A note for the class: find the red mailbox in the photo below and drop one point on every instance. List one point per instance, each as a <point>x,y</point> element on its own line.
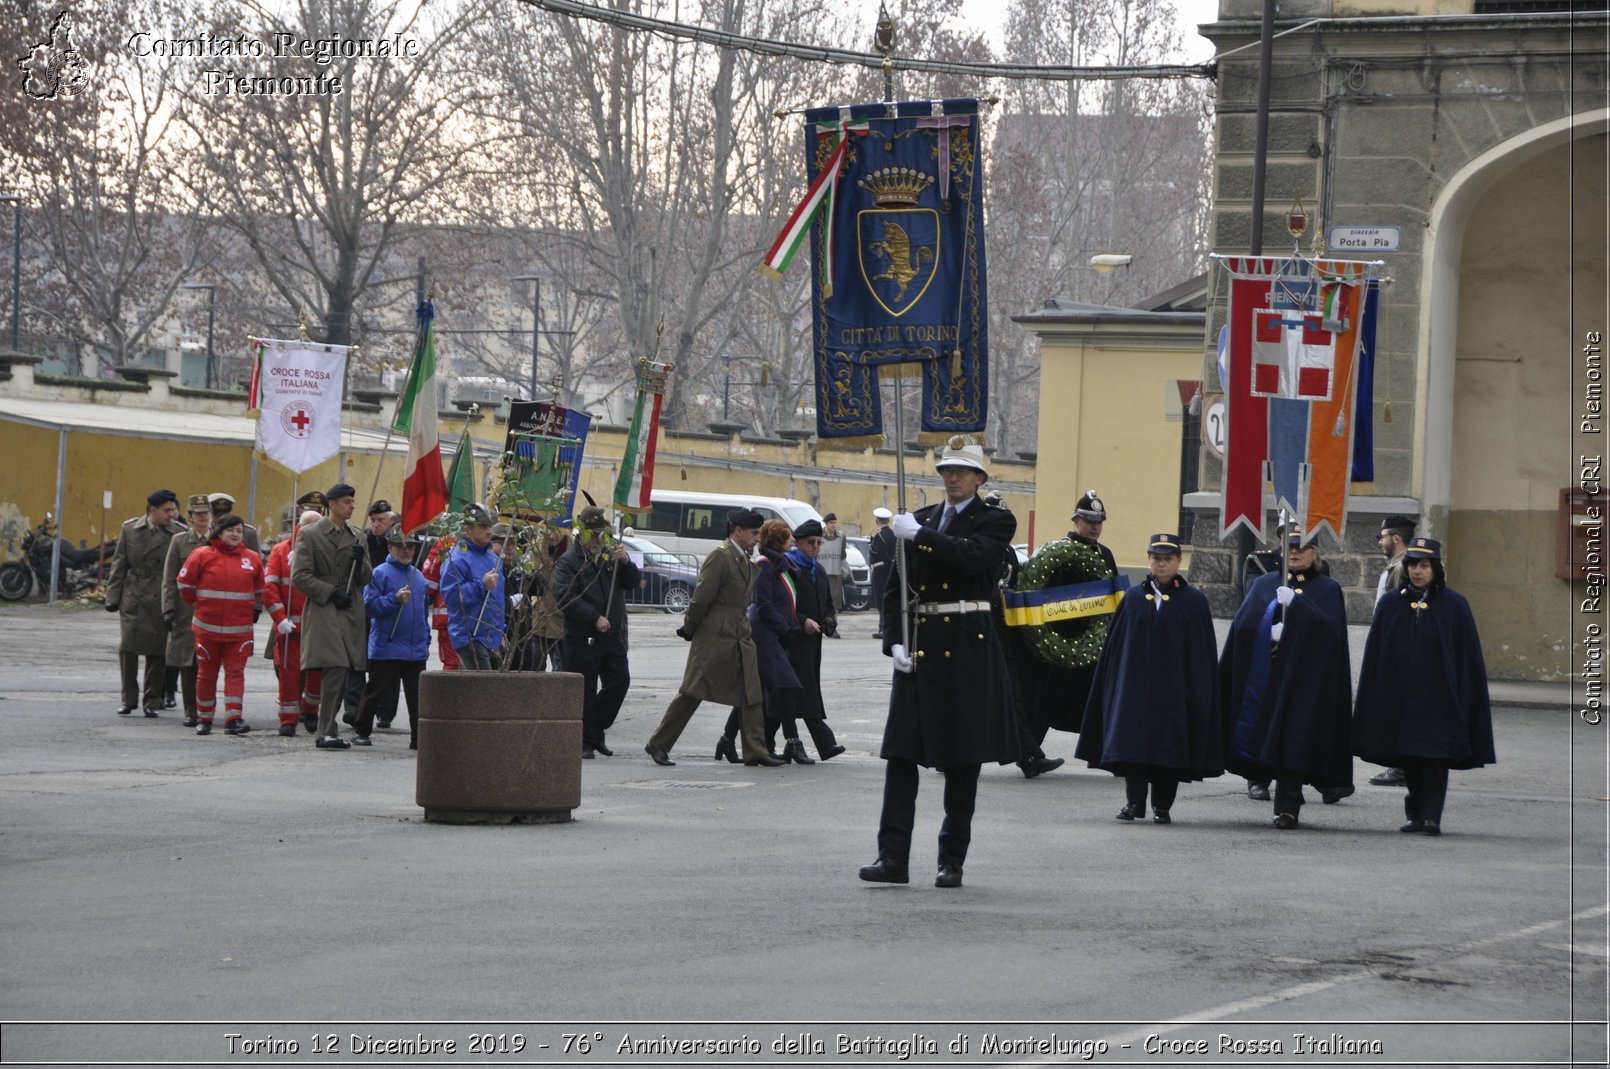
<point>1579,539</point>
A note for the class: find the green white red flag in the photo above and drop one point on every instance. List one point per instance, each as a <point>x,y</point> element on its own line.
<point>424,486</point>
<point>818,202</point>
<point>636,481</point>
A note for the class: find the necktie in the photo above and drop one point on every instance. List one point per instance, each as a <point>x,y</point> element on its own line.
<point>944,521</point>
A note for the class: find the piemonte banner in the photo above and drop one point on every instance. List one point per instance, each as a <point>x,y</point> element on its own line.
<point>898,248</point>
<point>1296,328</point>
<point>296,389</point>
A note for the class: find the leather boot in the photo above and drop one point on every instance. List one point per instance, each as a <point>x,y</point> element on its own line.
<point>794,750</point>
<point>726,748</point>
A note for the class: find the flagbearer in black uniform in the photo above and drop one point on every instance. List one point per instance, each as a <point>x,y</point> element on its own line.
<point>1153,716</point>
<point>1287,685</point>
<point>950,707</point>
<point>1422,695</point>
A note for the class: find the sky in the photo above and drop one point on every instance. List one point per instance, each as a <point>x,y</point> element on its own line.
<point>990,16</point>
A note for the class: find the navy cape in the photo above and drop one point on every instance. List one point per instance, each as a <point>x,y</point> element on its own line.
<point>1300,727</point>
<point>1154,701</point>
<point>1422,694</point>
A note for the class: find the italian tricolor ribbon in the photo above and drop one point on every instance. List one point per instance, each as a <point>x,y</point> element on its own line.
<point>818,200</point>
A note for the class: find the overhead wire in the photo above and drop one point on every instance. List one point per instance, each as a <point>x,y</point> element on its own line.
<point>768,47</point>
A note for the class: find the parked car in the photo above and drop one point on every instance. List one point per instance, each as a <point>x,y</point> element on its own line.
<point>857,574</point>
<point>668,579</point>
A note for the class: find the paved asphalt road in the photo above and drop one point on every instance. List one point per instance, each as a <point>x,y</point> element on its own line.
<point>258,886</point>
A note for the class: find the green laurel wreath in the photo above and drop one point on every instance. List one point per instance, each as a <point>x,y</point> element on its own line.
<point>1069,643</point>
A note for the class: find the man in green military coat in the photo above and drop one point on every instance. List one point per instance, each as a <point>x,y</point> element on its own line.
<point>134,592</point>
<point>177,612</point>
<point>332,568</point>
<point>721,665</point>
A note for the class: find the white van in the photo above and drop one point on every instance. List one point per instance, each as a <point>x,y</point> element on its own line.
<point>692,523</point>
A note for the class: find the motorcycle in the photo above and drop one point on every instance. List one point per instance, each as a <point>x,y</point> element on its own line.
<point>80,567</point>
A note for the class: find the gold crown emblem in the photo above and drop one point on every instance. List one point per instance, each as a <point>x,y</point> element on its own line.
<point>896,187</point>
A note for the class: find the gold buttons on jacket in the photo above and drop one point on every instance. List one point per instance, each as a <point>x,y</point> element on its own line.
<point>946,619</point>
<point>947,653</point>
<point>944,586</point>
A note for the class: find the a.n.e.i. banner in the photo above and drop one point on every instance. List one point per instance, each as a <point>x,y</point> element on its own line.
<point>897,193</point>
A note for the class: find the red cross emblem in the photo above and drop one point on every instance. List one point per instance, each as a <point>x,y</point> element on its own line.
<point>296,419</point>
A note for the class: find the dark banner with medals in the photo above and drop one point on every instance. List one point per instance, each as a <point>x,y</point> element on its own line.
<point>899,279</point>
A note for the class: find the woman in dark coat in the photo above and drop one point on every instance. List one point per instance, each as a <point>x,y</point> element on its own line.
<point>1422,695</point>
<point>774,620</point>
<point>1287,685</point>
<point>817,618</point>
<point>1153,716</point>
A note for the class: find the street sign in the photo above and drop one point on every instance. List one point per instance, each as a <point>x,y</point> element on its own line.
<point>1365,238</point>
<point>1215,423</point>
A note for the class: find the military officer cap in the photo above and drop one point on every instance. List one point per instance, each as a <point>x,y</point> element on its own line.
<point>476,515</point>
<point>338,491</point>
<point>962,452</point>
<point>592,518</point>
<point>379,507</point>
<point>745,517</point>
<point>199,503</point>
<point>1424,549</point>
<point>1164,544</point>
<point>158,498</point>
<point>831,517</point>
<point>1090,508</point>
<point>1295,539</point>
<point>220,503</point>
<point>313,499</point>
<point>881,513</point>
<point>808,529</point>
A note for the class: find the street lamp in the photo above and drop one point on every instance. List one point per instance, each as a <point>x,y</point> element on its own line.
<point>212,292</point>
<point>1105,263</point>
<point>16,268</point>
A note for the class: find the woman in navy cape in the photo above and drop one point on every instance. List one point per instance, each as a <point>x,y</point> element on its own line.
<point>1286,681</point>
<point>1153,714</point>
<point>1422,694</point>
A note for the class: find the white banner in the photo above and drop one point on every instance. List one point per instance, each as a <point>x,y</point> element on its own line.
<point>299,402</point>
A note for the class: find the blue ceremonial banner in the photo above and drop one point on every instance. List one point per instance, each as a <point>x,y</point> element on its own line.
<point>530,422</point>
<point>898,258</point>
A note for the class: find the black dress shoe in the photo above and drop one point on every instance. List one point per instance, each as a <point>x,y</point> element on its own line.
<point>287,730</point>
<point>1131,811</point>
<point>587,753</point>
<point>604,751</point>
<point>151,712</point>
<point>725,748</point>
<point>170,700</point>
<point>885,871</point>
<point>124,710</point>
<point>832,752</point>
<point>794,750</point>
<point>310,724</point>
<point>949,876</point>
<point>1258,792</point>
<point>1433,827</point>
<point>1050,764</point>
<point>660,756</point>
<point>1286,821</point>
<point>1412,826</point>
<point>769,760</point>
<point>332,742</point>
<point>877,634</point>
<point>1030,768</point>
<point>204,728</point>
<point>1391,777</point>
<point>1160,816</point>
<point>190,721</point>
<point>237,727</point>
<point>361,740</point>
<point>1332,795</point>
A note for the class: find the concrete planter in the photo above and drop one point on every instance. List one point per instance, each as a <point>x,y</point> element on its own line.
<point>499,747</point>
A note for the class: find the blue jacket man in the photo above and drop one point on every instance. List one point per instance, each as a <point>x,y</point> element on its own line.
<point>472,588</point>
<point>397,602</point>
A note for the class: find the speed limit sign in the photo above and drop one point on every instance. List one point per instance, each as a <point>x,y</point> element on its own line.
<point>1215,423</point>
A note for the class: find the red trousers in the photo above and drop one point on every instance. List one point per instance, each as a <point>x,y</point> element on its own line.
<point>230,655</point>
<point>298,690</point>
<point>444,647</point>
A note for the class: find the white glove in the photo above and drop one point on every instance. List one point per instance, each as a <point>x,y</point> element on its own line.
<point>902,662</point>
<point>516,599</point>
<point>1284,594</point>
<point>285,626</point>
<point>1276,631</point>
<point>905,526</point>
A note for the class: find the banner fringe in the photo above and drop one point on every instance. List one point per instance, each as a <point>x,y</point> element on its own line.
<point>849,445</point>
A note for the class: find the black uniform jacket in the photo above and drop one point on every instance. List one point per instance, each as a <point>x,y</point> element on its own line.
<point>1155,699</point>
<point>1056,693</point>
<point>1301,725</point>
<point>1422,694</point>
<point>955,708</point>
<point>588,583</point>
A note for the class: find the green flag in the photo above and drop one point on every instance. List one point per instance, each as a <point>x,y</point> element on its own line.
<point>461,475</point>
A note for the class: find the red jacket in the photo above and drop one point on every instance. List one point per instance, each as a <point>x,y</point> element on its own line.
<point>279,596</point>
<point>432,571</point>
<point>224,583</point>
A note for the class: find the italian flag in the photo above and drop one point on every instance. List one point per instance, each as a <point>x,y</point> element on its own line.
<point>818,201</point>
<point>424,493</point>
<point>636,480</point>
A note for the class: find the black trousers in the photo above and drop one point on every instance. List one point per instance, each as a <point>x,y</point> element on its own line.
<point>900,812</point>
<point>1288,794</point>
<point>380,690</point>
<point>1163,783</point>
<point>1428,790</point>
<point>143,692</point>
<point>605,679</point>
